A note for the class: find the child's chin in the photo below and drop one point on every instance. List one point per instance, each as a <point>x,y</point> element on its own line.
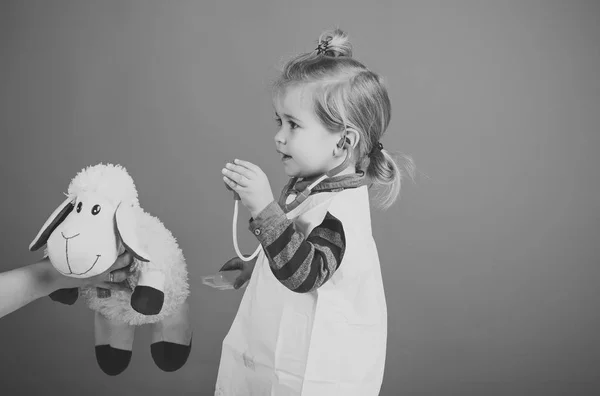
<point>290,172</point>
<point>299,175</point>
<point>295,172</point>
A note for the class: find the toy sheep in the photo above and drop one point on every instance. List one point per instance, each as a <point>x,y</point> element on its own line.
<point>100,218</point>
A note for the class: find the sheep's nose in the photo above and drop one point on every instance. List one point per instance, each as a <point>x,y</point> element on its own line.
<point>66,237</point>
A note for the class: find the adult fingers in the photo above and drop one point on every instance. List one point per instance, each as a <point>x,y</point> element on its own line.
<point>119,275</point>
<point>121,286</point>
<point>122,261</point>
<point>234,264</point>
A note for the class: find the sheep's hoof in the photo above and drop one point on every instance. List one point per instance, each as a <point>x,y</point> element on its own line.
<point>111,360</point>
<point>65,296</point>
<point>169,356</point>
<point>147,300</point>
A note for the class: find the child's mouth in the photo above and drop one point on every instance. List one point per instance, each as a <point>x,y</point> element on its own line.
<point>285,157</point>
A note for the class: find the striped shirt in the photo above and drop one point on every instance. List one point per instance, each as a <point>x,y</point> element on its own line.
<point>303,264</point>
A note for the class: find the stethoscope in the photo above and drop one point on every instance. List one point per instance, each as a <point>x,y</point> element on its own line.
<point>298,200</point>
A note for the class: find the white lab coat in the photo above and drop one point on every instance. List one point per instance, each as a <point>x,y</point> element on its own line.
<point>328,342</point>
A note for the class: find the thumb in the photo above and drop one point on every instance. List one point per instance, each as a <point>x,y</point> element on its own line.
<point>241,279</point>
<point>232,265</point>
<point>122,261</point>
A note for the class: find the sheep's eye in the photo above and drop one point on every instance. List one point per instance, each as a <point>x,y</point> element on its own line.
<point>79,205</point>
<point>96,210</point>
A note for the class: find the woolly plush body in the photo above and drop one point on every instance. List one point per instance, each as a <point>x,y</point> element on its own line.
<point>161,245</point>
<point>99,220</point>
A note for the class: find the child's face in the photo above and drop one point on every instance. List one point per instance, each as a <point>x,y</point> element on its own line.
<point>305,145</point>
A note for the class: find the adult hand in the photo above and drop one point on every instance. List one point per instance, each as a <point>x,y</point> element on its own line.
<point>20,286</point>
<point>113,278</point>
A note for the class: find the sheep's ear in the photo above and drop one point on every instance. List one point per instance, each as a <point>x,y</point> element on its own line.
<point>53,221</point>
<point>126,228</point>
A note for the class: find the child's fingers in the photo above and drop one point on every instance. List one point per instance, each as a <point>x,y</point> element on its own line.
<point>247,173</point>
<point>232,265</point>
<point>231,184</point>
<point>235,177</point>
<point>240,280</point>
<point>247,165</point>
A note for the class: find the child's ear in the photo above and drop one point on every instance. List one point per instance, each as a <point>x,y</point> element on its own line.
<point>353,137</point>
<point>349,139</point>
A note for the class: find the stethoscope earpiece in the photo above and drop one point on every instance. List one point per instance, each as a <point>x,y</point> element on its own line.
<point>343,141</point>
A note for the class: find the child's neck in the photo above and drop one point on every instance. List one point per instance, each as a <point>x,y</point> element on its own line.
<point>350,170</point>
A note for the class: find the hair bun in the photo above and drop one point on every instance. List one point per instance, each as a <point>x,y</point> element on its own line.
<point>334,43</point>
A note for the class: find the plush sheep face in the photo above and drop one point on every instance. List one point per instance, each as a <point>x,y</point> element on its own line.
<point>86,242</point>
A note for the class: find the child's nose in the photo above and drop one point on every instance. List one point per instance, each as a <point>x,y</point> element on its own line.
<point>280,137</point>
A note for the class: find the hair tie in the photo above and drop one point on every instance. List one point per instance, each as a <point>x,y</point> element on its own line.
<point>323,46</point>
<point>376,148</point>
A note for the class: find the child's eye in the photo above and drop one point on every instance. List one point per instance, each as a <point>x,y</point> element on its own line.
<point>293,125</point>
<point>278,121</point>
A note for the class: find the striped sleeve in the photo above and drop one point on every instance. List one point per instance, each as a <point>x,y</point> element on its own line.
<point>300,264</point>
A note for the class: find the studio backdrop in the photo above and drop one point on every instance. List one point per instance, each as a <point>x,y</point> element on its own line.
<point>490,260</point>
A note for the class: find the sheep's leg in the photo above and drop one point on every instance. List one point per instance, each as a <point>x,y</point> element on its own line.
<point>172,340</point>
<point>114,342</point>
<point>65,296</point>
<point>148,296</point>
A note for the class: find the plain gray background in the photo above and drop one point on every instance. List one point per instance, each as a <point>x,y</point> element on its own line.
<point>490,261</point>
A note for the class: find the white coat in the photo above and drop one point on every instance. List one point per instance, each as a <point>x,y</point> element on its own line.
<point>331,341</point>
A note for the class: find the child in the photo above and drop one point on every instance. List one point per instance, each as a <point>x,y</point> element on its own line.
<point>313,320</point>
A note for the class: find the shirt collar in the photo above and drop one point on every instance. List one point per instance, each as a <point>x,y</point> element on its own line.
<point>336,183</point>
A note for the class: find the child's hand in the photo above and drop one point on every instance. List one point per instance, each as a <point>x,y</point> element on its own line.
<point>251,184</point>
<point>246,267</point>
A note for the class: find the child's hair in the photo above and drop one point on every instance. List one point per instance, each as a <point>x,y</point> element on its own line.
<point>347,95</point>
